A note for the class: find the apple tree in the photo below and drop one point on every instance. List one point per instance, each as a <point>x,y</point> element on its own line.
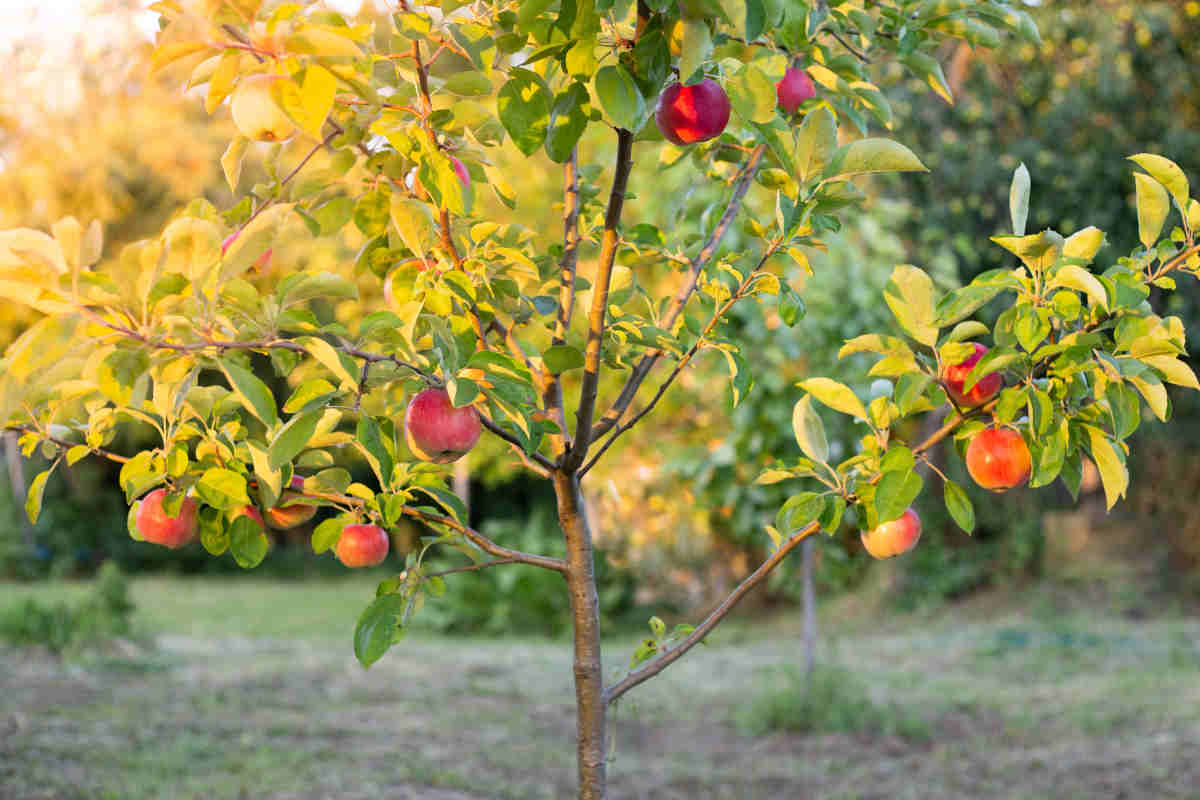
<point>403,137</point>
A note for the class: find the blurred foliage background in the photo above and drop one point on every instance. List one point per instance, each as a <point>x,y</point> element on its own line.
<point>683,519</point>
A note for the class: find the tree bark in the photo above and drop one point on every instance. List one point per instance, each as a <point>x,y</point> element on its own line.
<point>591,748</point>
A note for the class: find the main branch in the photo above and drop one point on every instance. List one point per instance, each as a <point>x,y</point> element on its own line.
<point>679,301</point>
<point>599,312</point>
<point>614,692</point>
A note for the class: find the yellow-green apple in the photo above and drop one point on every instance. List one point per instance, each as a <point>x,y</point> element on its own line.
<point>362,545</point>
<point>437,431</point>
<point>155,525</point>
<point>261,262</point>
<point>689,114</point>
<point>998,459</point>
<point>292,509</point>
<point>793,89</point>
<point>893,537</point>
<point>954,377</point>
<point>256,114</point>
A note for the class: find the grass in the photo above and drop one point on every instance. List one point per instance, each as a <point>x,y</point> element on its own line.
<point>250,690</point>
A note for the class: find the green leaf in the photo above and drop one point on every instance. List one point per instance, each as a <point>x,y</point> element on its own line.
<point>247,542</point>
<point>1173,370</point>
<point>620,98</point>
<point>341,366</point>
<point>1038,251</point>
<point>994,360</point>
<point>751,94</point>
<point>377,627</point>
<point>560,358</point>
<point>895,492</point>
<point>1084,244</point>
<point>524,106</point>
<point>791,305</point>
<point>927,68</point>
<point>909,294</point>
<point>292,438</point>
<point>831,517</point>
<point>809,430</point>
<point>369,440</point>
<point>33,498</point>
<point>251,392</point>
<point>1153,204</point>
<point>1018,200</point>
<point>959,505</point>
<point>326,534</point>
<point>1111,464</point>
<point>695,49</point>
<point>468,83</point>
<point>448,500</point>
<point>223,489</point>
<point>964,302</point>
<point>1050,455</point>
<point>316,99</point>
<point>311,394</point>
<point>741,378</point>
<point>865,156</point>
<point>835,395</point>
<point>231,160</point>
<point>1074,277</point>
<point>799,510</point>
<point>1166,172</point>
<point>568,120</point>
<point>414,222</point>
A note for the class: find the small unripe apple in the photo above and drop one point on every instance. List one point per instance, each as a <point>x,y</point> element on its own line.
<point>894,537</point>
<point>954,377</point>
<point>156,526</point>
<point>362,545</point>
<point>292,509</point>
<point>998,459</point>
<point>261,262</point>
<point>793,89</point>
<point>256,114</point>
<point>437,431</point>
<point>419,264</point>
<point>689,114</point>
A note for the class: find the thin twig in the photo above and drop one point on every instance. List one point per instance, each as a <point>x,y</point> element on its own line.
<point>552,399</point>
<point>485,544</point>
<point>614,692</point>
<point>471,567</point>
<point>63,443</point>
<point>853,50</point>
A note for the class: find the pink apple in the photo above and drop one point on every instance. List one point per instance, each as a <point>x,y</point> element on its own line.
<point>437,431</point>
<point>893,537</point>
<point>954,377</point>
<point>292,509</point>
<point>362,545</point>
<point>793,89</point>
<point>155,525</point>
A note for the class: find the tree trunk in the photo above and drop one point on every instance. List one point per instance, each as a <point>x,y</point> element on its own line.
<point>810,610</point>
<point>590,705</point>
<point>16,477</point>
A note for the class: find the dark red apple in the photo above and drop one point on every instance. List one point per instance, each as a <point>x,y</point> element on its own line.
<point>690,114</point>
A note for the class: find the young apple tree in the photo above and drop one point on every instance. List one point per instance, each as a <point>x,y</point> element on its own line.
<point>387,134</point>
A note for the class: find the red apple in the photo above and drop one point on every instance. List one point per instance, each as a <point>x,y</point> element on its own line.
<point>291,510</point>
<point>437,431</point>
<point>155,525</point>
<point>895,537</point>
<point>362,545</point>
<point>689,114</point>
<point>955,375</point>
<point>998,459</point>
<point>793,89</point>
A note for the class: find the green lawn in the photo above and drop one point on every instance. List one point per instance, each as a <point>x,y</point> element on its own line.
<point>248,689</point>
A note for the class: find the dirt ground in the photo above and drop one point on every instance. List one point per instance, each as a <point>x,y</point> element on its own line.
<point>1022,706</point>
